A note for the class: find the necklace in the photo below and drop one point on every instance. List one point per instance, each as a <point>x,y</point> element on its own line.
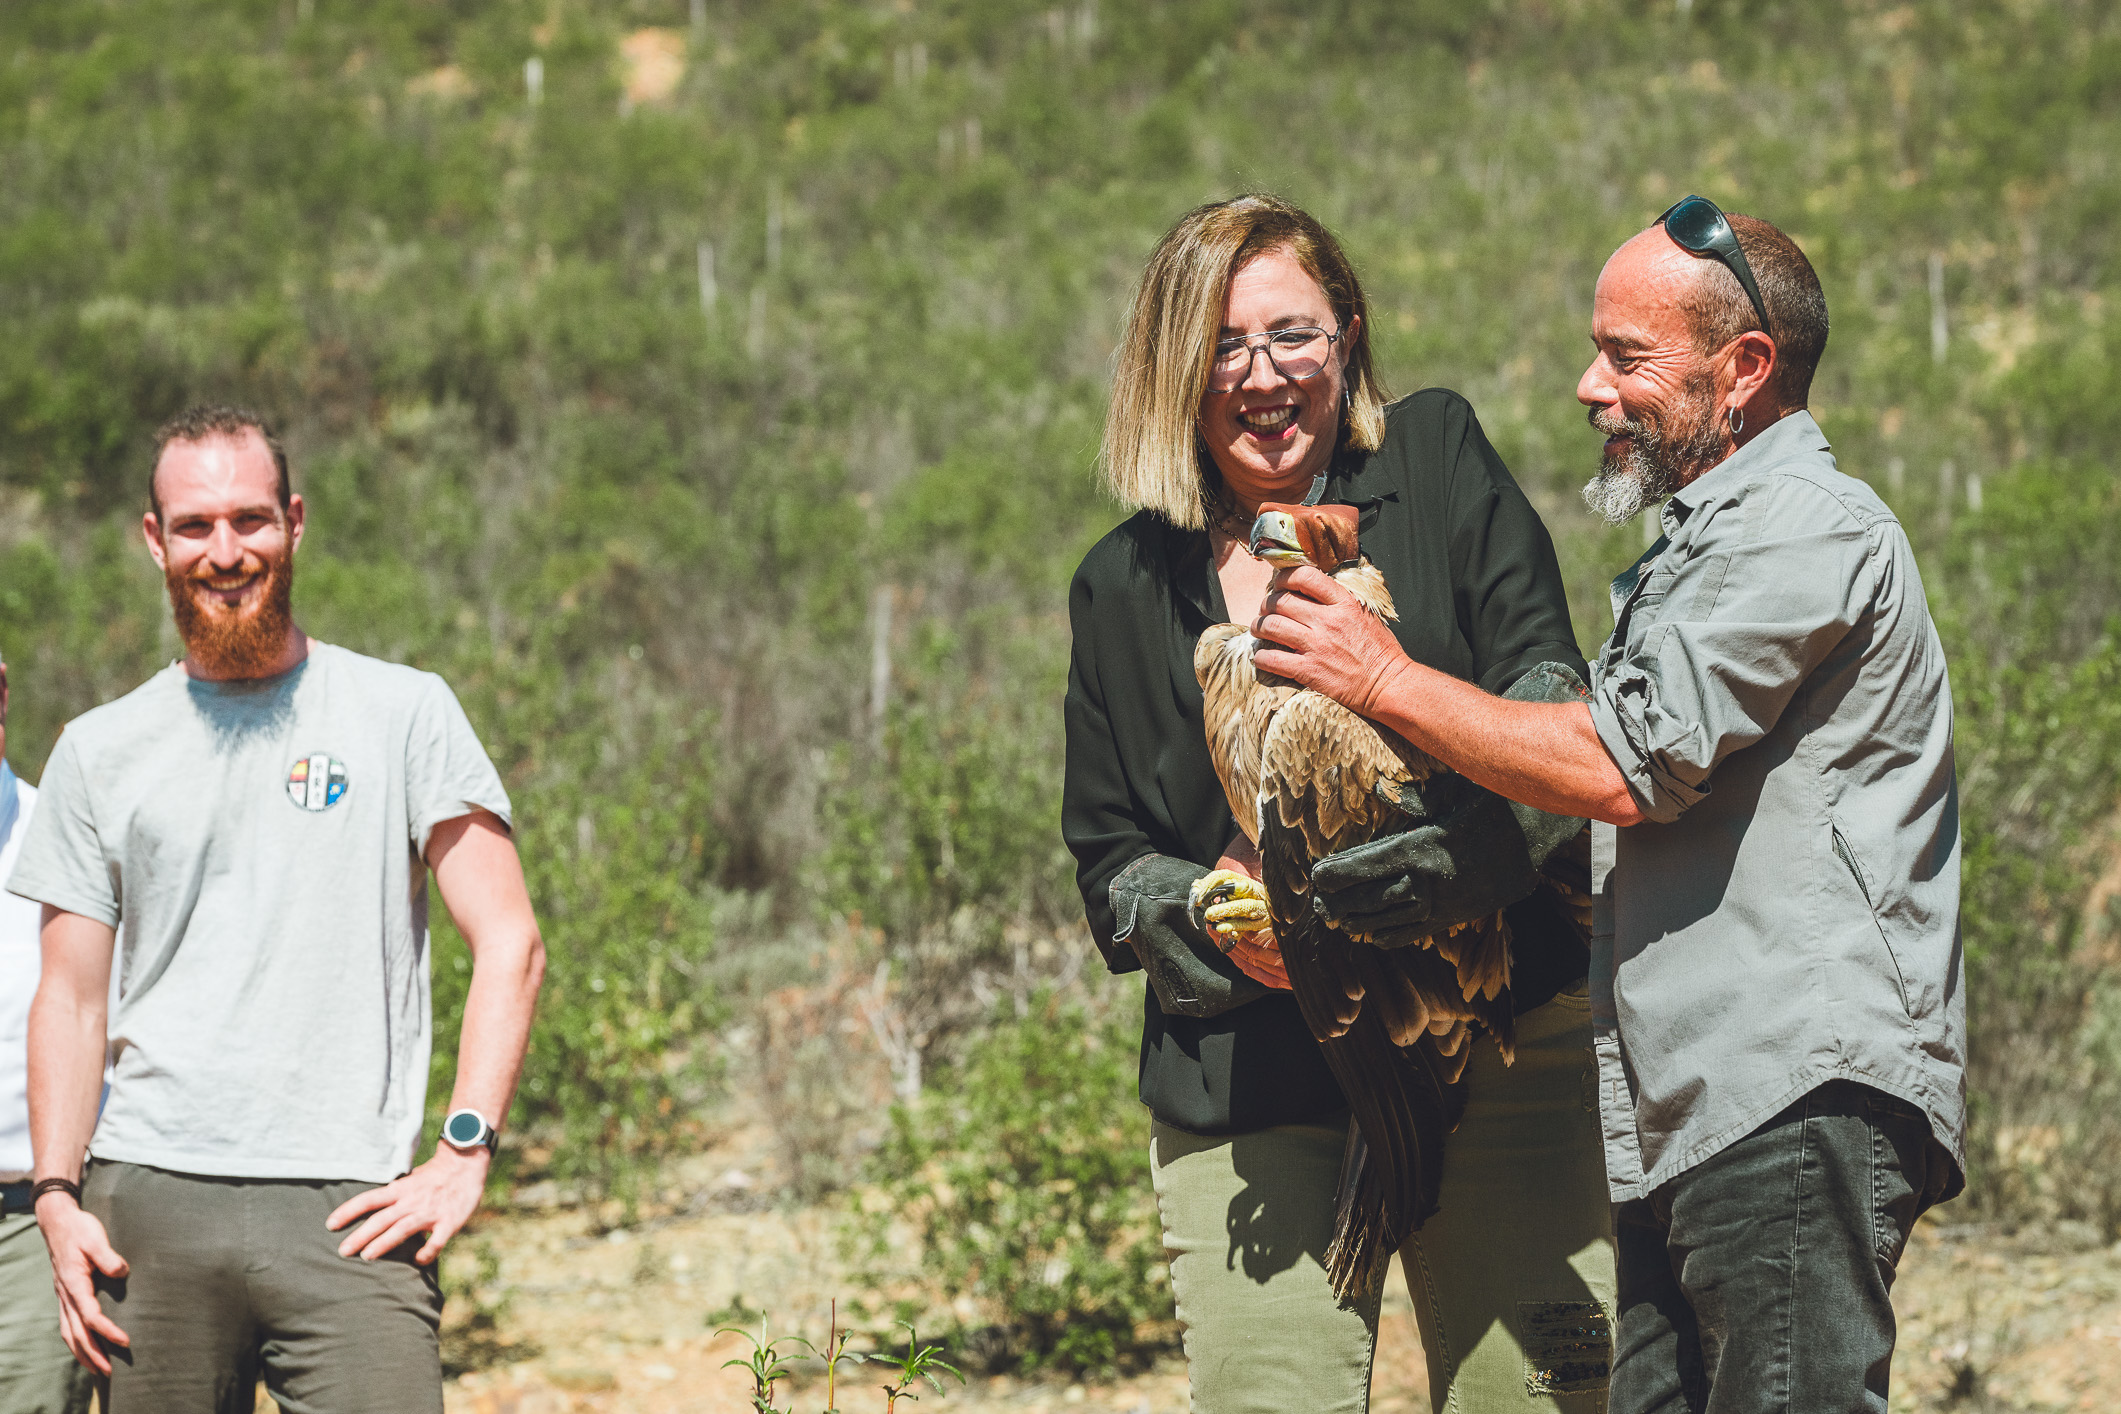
<point>1229,520</point>
<point>1225,515</point>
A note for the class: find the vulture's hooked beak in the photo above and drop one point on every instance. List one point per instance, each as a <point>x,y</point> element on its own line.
<point>1274,539</point>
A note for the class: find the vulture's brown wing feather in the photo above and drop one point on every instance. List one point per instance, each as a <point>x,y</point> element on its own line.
<point>1403,1096</point>
<point>1321,769</point>
<point>1369,1009</point>
<point>1321,764</point>
<point>1237,707</point>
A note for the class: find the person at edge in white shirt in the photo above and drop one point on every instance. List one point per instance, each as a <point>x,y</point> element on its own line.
<point>37,1372</point>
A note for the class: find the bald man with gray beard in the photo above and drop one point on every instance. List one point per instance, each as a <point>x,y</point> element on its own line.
<point>1777,984</point>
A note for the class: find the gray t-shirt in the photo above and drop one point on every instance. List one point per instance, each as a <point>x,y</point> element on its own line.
<point>261,843</point>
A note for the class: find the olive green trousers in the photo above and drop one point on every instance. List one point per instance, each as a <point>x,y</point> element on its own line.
<point>37,1372</point>
<point>1512,1280</point>
<point>232,1278</point>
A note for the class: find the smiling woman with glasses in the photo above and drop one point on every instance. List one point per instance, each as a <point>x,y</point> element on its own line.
<point>1244,376</point>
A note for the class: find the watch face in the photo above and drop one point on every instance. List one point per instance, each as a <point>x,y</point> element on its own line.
<point>463,1128</point>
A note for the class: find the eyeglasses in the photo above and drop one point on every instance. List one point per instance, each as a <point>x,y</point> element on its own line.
<point>1296,354</point>
<point>1699,227</point>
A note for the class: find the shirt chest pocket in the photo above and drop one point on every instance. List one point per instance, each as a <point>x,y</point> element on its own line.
<point>1643,608</point>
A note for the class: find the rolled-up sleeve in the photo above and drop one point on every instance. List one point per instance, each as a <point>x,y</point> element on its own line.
<point>1728,625</point>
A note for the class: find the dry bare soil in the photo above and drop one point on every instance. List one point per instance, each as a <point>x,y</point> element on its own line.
<point>599,1319</point>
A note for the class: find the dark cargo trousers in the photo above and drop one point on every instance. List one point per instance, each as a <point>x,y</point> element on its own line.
<point>232,1277</point>
<point>1761,1281</point>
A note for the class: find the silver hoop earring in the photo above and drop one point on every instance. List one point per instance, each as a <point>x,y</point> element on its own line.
<point>1735,417</point>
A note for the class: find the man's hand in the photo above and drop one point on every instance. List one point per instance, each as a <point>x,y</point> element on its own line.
<point>67,1038</point>
<point>80,1251</point>
<point>436,1198</point>
<point>1544,754</point>
<point>1319,636</point>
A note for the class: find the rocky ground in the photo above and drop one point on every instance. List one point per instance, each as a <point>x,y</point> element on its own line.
<point>594,1320</point>
<point>1994,1320</point>
<point>622,1325</point>
<point>621,1320</point>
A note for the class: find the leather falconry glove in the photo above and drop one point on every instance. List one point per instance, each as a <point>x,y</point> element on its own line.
<point>1153,904</point>
<point>1470,853</point>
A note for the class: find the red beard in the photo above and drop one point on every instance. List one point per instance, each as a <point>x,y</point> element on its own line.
<point>241,642</point>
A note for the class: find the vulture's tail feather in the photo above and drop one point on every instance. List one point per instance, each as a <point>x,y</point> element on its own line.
<point>1404,1099</point>
<point>1362,1240</point>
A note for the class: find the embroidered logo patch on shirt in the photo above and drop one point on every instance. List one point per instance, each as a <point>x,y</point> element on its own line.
<point>316,782</point>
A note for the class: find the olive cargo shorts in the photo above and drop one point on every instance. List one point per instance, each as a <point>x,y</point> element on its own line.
<point>231,1277</point>
<point>1512,1280</point>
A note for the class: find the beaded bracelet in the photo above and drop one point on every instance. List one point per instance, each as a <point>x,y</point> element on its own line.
<point>54,1185</point>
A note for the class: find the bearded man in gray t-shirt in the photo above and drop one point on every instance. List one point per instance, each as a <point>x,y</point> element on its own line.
<point>257,823</point>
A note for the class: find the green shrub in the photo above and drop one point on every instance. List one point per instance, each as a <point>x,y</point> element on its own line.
<point>1024,1178</point>
<point>621,1057</point>
<point>2029,607</point>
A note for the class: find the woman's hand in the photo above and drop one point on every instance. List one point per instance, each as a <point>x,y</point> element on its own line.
<point>1319,636</point>
<point>1256,954</point>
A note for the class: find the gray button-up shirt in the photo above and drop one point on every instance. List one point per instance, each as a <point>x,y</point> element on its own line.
<point>1788,914</point>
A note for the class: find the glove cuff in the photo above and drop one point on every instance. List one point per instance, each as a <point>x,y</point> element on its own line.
<point>1548,682</point>
<point>1152,879</point>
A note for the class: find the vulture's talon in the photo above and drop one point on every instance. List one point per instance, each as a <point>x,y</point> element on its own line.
<point>1230,905</point>
<point>1227,936</point>
<point>1243,915</point>
<point>1224,885</point>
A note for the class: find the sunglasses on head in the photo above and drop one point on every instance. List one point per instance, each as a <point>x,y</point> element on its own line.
<point>1698,226</point>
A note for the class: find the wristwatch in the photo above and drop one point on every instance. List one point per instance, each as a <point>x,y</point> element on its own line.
<point>466,1130</point>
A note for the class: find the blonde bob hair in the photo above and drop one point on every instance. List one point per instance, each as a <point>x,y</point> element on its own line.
<point>1153,457</point>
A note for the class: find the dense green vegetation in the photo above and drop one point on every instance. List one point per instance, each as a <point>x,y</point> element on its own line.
<point>1026,1186</point>
<point>668,425</point>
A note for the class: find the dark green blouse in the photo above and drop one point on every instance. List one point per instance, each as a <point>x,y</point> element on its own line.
<point>1473,574</point>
